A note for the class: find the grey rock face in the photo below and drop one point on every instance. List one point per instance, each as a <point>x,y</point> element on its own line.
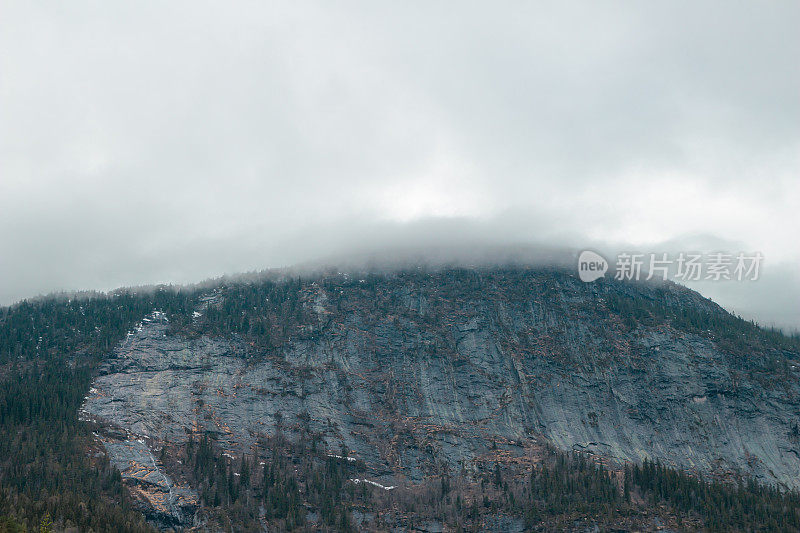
<point>163,501</point>
<point>425,378</point>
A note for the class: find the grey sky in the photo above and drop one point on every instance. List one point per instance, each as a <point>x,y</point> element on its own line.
<point>150,142</point>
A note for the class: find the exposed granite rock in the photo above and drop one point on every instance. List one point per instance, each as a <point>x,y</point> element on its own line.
<point>434,379</point>
<point>165,502</point>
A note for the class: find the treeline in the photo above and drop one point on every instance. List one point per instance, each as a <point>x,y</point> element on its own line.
<point>271,311</point>
<point>569,486</point>
<point>267,312</point>
<point>723,507</point>
<point>738,337</point>
<point>85,324</point>
<point>295,486</point>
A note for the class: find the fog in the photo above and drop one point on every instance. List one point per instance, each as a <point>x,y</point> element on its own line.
<point>172,142</point>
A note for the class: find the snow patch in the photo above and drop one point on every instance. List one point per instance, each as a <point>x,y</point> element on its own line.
<point>349,459</point>
<point>374,483</point>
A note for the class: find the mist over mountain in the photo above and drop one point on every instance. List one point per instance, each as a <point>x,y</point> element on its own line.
<point>432,267</point>
<point>170,144</point>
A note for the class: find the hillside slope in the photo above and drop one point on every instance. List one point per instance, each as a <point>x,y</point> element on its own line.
<point>421,375</point>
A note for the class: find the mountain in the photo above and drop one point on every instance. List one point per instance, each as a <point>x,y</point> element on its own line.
<point>481,398</point>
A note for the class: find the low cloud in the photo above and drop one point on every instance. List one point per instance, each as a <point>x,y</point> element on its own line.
<point>153,142</point>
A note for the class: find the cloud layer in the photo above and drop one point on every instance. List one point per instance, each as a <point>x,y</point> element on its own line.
<point>147,142</point>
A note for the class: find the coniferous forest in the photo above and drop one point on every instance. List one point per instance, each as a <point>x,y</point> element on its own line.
<point>49,350</point>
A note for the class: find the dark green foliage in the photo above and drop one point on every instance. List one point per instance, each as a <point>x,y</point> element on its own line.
<point>8,525</point>
<point>723,507</point>
<point>284,479</point>
<point>570,484</point>
<point>49,350</point>
<point>87,324</point>
<point>748,345</point>
<point>268,312</point>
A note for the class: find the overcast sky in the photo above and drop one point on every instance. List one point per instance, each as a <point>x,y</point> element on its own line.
<point>146,142</point>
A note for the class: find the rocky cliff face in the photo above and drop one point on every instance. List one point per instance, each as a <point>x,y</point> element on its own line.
<point>418,373</point>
